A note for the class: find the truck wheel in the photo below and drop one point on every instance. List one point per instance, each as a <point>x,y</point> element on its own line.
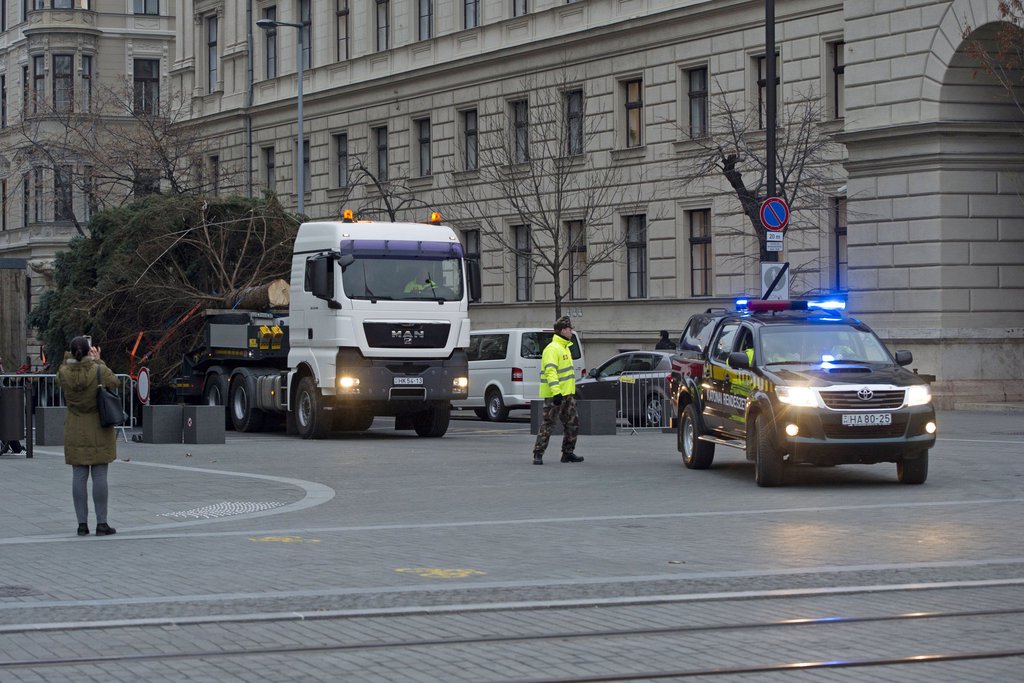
<point>311,420</point>
<point>496,410</point>
<point>912,468</point>
<point>697,454</point>
<point>244,417</point>
<point>215,393</point>
<point>432,422</point>
<point>768,465</point>
<point>353,421</point>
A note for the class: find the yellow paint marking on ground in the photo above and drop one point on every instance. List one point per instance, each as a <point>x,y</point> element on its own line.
<point>437,573</point>
<point>283,539</point>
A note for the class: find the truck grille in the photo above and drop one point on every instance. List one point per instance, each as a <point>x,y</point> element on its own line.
<point>407,335</point>
<point>854,399</point>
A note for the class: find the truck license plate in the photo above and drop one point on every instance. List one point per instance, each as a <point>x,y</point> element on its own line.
<point>866,419</point>
<point>408,380</point>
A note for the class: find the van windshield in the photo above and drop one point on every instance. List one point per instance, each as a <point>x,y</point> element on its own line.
<point>533,344</point>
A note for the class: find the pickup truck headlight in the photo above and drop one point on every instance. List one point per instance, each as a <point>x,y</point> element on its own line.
<point>797,396</point>
<point>918,395</point>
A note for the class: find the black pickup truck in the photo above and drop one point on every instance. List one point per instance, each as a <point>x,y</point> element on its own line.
<point>797,382</point>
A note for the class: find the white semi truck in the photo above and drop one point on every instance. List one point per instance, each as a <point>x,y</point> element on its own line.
<point>377,325</point>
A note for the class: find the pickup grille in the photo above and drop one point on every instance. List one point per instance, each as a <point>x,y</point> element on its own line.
<point>836,431</point>
<point>407,335</point>
<point>887,399</point>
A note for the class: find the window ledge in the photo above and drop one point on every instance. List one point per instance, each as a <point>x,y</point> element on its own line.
<point>421,182</point>
<point>629,153</point>
<point>463,176</point>
<point>687,145</point>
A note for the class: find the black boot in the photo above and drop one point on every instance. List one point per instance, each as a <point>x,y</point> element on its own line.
<point>569,457</point>
<point>83,529</point>
<point>538,459</point>
<point>105,530</point>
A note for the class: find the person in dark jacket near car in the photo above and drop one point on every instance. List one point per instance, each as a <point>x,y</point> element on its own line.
<point>88,446</point>
<point>665,344</point>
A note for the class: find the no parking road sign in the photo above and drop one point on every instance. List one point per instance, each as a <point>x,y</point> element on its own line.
<point>774,213</point>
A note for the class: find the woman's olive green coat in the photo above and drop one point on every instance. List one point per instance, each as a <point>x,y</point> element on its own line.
<point>85,441</point>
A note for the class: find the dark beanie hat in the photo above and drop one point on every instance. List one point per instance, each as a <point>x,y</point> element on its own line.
<point>562,323</point>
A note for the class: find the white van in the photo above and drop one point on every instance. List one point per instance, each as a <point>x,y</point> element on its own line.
<point>504,369</point>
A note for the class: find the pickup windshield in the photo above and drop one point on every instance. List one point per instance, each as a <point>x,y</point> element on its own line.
<point>401,270</point>
<point>821,344</point>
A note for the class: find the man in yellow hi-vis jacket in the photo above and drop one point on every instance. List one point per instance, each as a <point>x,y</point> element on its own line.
<point>558,389</point>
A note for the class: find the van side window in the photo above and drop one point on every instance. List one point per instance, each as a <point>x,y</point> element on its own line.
<point>473,350</point>
<point>493,347</point>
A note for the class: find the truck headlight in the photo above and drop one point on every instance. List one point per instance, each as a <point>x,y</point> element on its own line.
<point>460,382</point>
<point>797,396</point>
<point>348,382</point>
<point>919,395</point>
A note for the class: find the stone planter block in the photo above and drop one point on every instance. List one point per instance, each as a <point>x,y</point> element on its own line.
<point>203,424</point>
<point>597,418</point>
<point>162,424</point>
<point>50,425</point>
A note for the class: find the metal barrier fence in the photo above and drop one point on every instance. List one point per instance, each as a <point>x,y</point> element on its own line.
<point>44,393</point>
<point>645,400</point>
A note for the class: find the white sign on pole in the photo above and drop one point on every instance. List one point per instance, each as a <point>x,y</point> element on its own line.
<point>773,246</point>
<point>774,236</point>
<point>769,271</point>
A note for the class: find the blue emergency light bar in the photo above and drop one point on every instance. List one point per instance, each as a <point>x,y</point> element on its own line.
<point>756,305</point>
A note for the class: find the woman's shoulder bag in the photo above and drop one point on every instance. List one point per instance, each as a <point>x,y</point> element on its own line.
<point>108,405</point>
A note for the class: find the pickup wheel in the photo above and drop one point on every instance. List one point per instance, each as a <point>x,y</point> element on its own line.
<point>432,422</point>
<point>215,393</point>
<point>912,468</point>
<point>768,465</point>
<point>496,410</point>
<point>244,417</point>
<point>311,420</point>
<point>697,454</point>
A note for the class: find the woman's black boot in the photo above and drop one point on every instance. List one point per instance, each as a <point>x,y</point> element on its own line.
<point>105,529</point>
<point>83,529</point>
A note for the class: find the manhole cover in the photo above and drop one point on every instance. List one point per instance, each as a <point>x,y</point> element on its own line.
<point>16,591</point>
<point>225,509</point>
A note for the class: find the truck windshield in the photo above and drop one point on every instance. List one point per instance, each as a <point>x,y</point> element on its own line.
<point>821,344</point>
<point>401,270</point>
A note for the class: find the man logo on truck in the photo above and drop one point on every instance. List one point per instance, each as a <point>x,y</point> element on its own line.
<point>407,335</point>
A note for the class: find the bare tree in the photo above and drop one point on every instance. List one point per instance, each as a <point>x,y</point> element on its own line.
<point>534,171</point>
<point>119,144</point>
<point>734,149</point>
<point>388,198</point>
<point>1000,53</point>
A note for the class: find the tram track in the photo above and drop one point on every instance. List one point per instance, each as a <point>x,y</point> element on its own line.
<point>593,638</point>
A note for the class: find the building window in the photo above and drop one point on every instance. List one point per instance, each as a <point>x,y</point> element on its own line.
<point>3,204</point>
<point>37,193</point>
<point>62,4</point>
<point>147,6</point>
<point>26,198</point>
<point>211,54</point>
<point>147,86</point>
<point>700,252</point>
<point>62,207</point>
<point>86,83</point>
<point>382,25</point>
<point>214,174</point>
<point>837,76</point>
<point>577,246</point>
<point>270,43</point>
<point>636,256</point>
<point>3,18</point>
<point>426,14</point>
<point>762,95</point>
<point>341,14</point>
<point>697,96</point>
<point>574,123</point>
<point>63,83</point>
<point>341,160</point>
<point>269,168</point>
<point>520,131</point>
<point>423,149</point>
<point>524,271</point>
<point>470,139</point>
<point>634,103</point>
<point>519,8</point>
<point>3,101</point>
<point>145,183</point>
<point>89,193</point>
<point>380,138</point>
<point>306,19</point>
<point>471,13</point>
<point>38,83</point>
<point>839,256</point>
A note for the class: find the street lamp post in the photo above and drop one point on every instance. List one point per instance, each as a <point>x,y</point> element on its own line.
<point>300,166</point>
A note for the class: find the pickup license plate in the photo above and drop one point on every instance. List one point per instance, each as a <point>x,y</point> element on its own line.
<point>408,380</point>
<point>866,419</point>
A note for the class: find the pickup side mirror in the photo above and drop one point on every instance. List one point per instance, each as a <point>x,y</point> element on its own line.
<point>904,357</point>
<point>739,360</point>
